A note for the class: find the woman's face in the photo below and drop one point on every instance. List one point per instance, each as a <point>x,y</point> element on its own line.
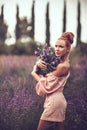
<point>60,48</point>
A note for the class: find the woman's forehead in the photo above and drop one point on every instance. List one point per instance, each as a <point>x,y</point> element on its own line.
<point>62,42</point>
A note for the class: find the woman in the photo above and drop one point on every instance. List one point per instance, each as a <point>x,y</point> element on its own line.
<point>52,86</point>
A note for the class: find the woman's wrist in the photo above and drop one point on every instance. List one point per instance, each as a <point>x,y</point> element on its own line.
<point>33,72</point>
<point>35,68</point>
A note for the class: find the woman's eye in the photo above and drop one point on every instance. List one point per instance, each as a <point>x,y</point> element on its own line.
<point>61,46</point>
<point>55,45</point>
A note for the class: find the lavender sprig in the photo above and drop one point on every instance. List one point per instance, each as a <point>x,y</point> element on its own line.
<point>48,56</point>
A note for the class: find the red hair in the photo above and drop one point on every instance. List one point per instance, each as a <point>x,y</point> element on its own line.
<point>67,37</point>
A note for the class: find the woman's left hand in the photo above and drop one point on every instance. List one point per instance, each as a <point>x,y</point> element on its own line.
<point>41,64</point>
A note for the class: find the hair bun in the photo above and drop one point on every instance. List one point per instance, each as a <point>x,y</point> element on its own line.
<point>67,36</point>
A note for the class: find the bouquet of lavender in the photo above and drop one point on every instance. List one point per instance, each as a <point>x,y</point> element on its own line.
<point>47,55</point>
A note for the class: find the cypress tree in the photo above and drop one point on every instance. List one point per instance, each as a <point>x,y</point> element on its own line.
<point>17,31</point>
<point>64,17</point>
<point>33,18</point>
<point>2,13</point>
<point>47,25</point>
<point>31,32</point>
<point>79,25</point>
<point>3,26</point>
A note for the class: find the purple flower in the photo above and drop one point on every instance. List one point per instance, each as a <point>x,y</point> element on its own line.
<point>48,56</point>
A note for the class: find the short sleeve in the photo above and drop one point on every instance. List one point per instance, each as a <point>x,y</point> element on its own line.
<point>49,84</point>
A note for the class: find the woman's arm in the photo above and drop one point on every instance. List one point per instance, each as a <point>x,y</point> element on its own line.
<point>34,74</point>
<point>40,64</point>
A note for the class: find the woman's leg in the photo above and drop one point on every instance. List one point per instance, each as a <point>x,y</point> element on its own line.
<point>46,125</point>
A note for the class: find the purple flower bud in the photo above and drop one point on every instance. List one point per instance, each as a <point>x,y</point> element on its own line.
<point>47,55</point>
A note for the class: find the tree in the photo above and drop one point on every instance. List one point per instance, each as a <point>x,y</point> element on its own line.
<point>23,27</point>
<point>79,26</point>
<point>31,32</point>
<point>17,31</point>
<point>64,17</point>
<point>3,26</point>
<point>47,25</point>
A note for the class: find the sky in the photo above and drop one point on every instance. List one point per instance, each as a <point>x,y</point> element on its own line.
<point>56,11</point>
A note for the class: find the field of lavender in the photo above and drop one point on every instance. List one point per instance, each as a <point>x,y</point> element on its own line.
<point>20,107</point>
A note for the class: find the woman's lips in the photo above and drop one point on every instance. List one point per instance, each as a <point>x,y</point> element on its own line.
<point>57,53</point>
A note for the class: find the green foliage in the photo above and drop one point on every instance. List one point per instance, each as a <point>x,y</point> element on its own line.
<point>19,48</point>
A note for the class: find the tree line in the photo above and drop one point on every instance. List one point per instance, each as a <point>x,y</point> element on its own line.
<point>24,29</point>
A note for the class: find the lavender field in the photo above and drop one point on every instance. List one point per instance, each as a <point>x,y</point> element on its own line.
<point>20,107</point>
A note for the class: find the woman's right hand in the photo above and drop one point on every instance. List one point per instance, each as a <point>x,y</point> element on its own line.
<point>41,64</point>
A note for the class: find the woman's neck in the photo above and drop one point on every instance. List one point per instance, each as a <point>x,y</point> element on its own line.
<point>65,58</point>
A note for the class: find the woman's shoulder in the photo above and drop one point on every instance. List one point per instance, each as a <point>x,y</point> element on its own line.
<point>64,64</point>
<point>62,69</point>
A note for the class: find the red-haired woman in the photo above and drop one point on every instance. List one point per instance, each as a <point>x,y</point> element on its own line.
<point>52,86</point>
